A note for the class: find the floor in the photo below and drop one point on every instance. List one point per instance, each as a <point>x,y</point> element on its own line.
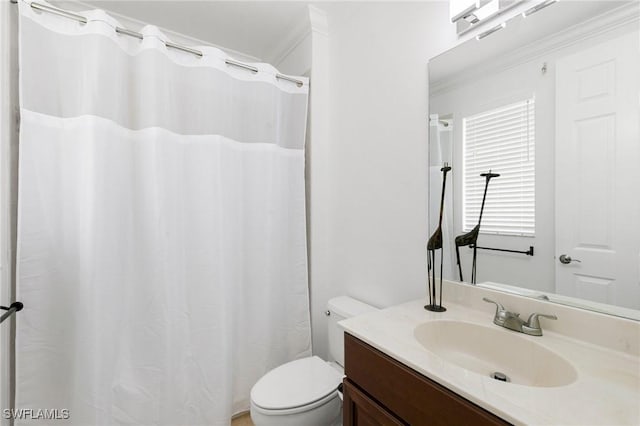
<point>242,420</point>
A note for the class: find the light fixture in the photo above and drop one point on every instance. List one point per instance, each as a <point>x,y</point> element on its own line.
<point>471,18</point>
<point>491,31</point>
<point>487,11</point>
<point>538,7</point>
<point>467,12</point>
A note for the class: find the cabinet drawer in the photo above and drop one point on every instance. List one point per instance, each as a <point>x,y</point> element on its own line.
<point>412,397</point>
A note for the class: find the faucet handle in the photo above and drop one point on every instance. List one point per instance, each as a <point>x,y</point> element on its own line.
<point>502,315</point>
<point>499,307</point>
<point>534,322</point>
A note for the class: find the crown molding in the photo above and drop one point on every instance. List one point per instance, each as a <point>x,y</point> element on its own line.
<point>592,28</point>
<point>319,21</point>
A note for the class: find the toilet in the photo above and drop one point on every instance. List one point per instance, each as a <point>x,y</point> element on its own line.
<point>304,392</point>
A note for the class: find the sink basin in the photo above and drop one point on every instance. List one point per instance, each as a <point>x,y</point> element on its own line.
<point>486,350</point>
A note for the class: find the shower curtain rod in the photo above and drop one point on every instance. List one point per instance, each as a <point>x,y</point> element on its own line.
<point>61,12</point>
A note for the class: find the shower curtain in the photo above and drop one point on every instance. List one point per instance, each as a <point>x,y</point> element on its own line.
<point>162,243</point>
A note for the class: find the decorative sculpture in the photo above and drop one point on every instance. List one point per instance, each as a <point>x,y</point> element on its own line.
<point>435,243</point>
<point>471,237</point>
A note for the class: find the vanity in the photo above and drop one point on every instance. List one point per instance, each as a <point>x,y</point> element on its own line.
<point>406,365</point>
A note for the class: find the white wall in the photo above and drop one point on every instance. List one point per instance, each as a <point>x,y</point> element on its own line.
<point>371,171</point>
<point>506,86</point>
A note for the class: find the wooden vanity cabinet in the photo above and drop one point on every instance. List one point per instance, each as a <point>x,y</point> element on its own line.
<point>379,390</point>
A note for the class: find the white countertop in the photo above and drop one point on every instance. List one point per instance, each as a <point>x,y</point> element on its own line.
<point>606,391</point>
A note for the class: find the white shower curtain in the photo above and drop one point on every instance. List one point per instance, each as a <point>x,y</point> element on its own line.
<point>161,226</point>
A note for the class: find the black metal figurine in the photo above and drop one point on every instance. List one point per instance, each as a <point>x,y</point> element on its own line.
<point>435,243</point>
<point>471,237</point>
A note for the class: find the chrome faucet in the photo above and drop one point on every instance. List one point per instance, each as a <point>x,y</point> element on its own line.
<point>512,320</point>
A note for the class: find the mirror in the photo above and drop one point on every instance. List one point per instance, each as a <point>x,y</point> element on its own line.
<point>550,102</point>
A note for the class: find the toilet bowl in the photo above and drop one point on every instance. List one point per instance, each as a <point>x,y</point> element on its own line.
<point>304,392</point>
<point>300,392</point>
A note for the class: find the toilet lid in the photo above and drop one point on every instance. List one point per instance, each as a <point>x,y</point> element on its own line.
<point>296,383</point>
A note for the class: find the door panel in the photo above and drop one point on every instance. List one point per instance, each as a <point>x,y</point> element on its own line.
<point>598,173</point>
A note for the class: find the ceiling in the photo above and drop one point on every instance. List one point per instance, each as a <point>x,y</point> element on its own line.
<point>264,30</point>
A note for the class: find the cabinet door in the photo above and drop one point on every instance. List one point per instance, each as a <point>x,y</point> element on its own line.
<point>360,410</point>
<point>410,396</point>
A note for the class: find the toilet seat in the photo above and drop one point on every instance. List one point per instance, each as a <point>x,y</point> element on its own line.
<point>297,410</point>
<point>296,386</point>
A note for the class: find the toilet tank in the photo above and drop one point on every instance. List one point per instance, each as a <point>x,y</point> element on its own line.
<point>340,308</point>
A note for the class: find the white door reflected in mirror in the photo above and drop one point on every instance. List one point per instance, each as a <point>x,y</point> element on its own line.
<point>597,146</point>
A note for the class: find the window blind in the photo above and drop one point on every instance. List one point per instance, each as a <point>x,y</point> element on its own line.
<point>501,140</point>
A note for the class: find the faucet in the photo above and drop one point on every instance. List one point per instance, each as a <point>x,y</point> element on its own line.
<point>512,320</point>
